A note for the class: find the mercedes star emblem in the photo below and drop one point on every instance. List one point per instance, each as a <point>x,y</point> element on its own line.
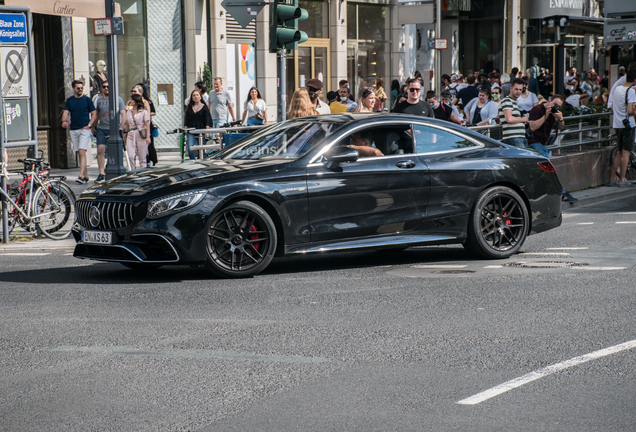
<point>94,216</point>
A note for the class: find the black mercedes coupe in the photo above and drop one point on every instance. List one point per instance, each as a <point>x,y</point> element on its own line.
<point>303,186</point>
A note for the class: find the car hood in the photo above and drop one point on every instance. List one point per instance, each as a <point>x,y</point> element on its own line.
<point>200,174</point>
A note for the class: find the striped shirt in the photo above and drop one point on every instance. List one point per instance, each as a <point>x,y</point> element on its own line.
<point>517,130</point>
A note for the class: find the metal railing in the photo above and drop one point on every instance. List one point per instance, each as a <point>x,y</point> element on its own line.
<point>589,130</point>
<point>201,146</point>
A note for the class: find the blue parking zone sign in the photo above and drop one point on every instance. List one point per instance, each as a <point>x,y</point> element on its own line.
<point>13,29</point>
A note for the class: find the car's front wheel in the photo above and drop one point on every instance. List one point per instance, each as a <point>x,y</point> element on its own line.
<point>498,224</point>
<point>241,240</point>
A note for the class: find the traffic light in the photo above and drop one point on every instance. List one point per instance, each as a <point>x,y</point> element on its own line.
<point>283,29</point>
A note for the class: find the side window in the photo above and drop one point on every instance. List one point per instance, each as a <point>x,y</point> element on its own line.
<point>389,140</point>
<point>431,140</point>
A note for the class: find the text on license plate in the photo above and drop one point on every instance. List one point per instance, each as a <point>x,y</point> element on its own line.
<point>98,237</point>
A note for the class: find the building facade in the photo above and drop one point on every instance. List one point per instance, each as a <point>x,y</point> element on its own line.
<point>167,43</point>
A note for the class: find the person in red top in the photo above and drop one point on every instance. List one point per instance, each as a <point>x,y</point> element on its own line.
<point>542,118</point>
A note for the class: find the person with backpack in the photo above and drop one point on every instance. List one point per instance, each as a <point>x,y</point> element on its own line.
<point>83,117</point>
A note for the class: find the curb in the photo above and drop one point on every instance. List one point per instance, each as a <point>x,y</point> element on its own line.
<point>598,195</point>
<point>37,244</point>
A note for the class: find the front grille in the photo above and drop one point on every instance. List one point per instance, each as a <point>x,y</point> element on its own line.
<point>114,215</point>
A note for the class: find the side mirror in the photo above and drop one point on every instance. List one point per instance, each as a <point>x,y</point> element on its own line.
<point>340,154</point>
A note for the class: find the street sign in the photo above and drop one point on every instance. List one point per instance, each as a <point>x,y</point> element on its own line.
<point>14,72</point>
<point>16,120</point>
<point>243,11</point>
<point>118,25</point>
<point>13,29</point>
<point>441,43</point>
<point>103,27</point>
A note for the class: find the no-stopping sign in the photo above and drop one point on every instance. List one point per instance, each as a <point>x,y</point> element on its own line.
<point>14,71</point>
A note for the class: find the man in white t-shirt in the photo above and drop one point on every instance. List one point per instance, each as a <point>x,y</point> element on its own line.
<point>624,124</point>
<point>619,82</point>
<point>575,99</point>
<point>570,80</point>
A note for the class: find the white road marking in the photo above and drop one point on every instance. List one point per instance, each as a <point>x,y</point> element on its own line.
<point>627,222</point>
<point>568,248</point>
<point>544,254</point>
<point>25,253</point>
<point>439,266</point>
<point>585,223</point>
<point>626,213</point>
<point>549,370</point>
<point>196,354</point>
<point>599,268</point>
<point>494,266</point>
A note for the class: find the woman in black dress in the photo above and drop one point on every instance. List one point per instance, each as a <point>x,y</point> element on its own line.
<point>197,116</point>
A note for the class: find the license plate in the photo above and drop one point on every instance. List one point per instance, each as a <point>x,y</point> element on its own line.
<point>97,237</point>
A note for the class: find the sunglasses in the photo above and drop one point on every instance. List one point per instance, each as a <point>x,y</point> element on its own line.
<point>104,86</point>
<point>413,89</point>
<point>311,89</point>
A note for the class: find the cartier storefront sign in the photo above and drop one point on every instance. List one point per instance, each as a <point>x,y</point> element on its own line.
<point>71,8</point>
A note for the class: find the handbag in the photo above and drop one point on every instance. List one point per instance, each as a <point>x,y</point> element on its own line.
<point>155,131</point>
<point>142,133</point>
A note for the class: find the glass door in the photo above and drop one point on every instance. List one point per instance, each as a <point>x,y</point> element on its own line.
<point>310,60</point>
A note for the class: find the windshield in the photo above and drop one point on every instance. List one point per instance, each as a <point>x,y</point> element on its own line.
<point>287,140</point>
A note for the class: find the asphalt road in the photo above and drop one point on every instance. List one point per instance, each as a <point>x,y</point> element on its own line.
<point>375,341</point>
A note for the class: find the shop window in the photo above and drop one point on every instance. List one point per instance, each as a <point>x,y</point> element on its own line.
<point>369,48</point>
<point>131,49</point>
<point>317,25</point>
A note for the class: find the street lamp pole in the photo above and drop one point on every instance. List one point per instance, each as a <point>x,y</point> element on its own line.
<point>438,33</point>
<point>115,166</point>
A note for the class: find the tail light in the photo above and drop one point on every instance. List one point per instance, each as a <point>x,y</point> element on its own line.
<point>547,167</point>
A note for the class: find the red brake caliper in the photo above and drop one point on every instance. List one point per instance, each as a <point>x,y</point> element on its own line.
<point>256,245</point>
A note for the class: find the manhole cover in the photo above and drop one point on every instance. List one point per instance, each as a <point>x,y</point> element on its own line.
<point>453,271</point>
<point>545,264</point>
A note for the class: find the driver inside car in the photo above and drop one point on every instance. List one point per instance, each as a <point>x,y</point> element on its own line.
<point>362,142</point>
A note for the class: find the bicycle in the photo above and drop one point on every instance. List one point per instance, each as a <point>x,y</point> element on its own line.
<point>631,163</point>
<point>40,203</point>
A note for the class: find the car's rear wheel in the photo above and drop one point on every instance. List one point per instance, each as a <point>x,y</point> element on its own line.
<point>241,240</point>
<point>498,224</point>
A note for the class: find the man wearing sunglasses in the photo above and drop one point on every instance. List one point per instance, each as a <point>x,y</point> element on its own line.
<point>413,105</point>
<point>314,88</point>
<point>103,126</point>
<point>82,112</point>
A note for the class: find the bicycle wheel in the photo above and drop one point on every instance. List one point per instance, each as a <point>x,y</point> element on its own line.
<point>54,209</point>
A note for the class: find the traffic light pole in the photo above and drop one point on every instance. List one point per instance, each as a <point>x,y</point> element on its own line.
<point>282,84</point>
<point>115,166</point>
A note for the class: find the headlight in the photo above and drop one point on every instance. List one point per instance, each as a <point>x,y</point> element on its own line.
<point>173,203</point>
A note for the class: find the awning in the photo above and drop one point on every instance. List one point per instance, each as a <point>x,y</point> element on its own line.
<point>70,8</point>
<point>579,25</point>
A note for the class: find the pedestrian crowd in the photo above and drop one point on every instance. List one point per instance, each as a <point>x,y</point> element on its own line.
<point>523,103</point>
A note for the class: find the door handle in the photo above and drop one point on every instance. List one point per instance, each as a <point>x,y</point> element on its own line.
<point>405,164</point>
